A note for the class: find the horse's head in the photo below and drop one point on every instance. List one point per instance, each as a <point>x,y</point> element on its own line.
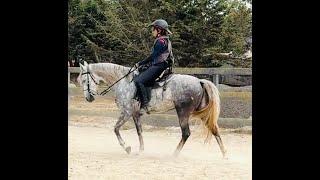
<point>89,81</point>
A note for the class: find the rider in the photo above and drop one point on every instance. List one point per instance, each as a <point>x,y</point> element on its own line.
<point>159,59</point>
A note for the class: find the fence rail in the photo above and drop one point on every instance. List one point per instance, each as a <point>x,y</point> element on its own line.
<point>216,72</point>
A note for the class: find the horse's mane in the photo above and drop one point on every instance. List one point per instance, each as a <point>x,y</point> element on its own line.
<point>109,66</point>
<point>109,71</point>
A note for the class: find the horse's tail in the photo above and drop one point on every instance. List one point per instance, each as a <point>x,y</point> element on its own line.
<point>210,113</point>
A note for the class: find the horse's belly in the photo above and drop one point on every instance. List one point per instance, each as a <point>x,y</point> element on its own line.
<point>161,101</point>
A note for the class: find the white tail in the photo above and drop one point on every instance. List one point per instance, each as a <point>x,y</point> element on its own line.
<point>210,114</point>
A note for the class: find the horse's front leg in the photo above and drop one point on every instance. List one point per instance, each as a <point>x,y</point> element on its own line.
<point>124,117</point>
<point>137,122</point>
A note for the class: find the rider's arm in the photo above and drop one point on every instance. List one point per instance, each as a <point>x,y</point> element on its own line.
<point>145,61</point>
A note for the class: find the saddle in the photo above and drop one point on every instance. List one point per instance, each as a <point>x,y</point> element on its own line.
<point>160,82</point>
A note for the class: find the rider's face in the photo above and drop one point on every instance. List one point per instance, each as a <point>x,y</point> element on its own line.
<point>154,32</point>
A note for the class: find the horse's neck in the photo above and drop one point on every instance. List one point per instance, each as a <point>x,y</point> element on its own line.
<point>108,71</point>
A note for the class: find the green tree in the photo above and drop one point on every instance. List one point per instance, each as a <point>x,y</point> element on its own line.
<point>116,30</point>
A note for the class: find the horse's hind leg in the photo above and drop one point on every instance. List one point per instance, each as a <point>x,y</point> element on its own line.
<point>184,124</point>
<point>137,122</point>
<point>122,119</point>
<point>216,134</point>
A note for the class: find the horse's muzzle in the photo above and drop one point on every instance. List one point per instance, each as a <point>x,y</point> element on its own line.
<point>90,99</point>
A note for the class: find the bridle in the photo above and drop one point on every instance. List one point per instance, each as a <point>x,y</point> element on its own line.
<point>104,92</point>
<point>88,73</point>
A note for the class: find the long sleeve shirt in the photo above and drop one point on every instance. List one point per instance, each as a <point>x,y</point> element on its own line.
<point>157,56</point>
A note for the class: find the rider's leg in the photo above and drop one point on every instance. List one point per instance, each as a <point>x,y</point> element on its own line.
<point>147,77</point>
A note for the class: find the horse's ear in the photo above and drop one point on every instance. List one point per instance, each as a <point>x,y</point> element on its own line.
<point>81,67</point>
<point>85,63</point>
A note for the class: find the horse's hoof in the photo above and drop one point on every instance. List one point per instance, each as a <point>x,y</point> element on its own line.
<point>176,154</point>
<point>141,151</point>
<point>224,156</point>
<point>128,149</point>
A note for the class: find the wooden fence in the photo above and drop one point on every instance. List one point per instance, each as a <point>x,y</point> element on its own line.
<point>215,72</point>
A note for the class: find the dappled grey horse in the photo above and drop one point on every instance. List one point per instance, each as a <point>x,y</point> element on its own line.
<point>190,96</point>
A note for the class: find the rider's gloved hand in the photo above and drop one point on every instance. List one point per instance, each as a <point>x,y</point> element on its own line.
<point>136,65</point>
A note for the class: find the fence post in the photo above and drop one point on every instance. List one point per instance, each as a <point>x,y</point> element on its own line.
<point>215,79</point>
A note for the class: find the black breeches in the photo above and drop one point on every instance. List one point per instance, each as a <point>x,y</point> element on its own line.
<point>149,76</point>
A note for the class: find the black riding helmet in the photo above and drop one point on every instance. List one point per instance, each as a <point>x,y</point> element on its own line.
<point>161,24</point>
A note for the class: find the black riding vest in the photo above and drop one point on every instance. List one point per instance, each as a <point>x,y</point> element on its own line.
<point>167,55</point>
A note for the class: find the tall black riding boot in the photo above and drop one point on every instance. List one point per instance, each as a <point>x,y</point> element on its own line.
<point>143,96</point>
